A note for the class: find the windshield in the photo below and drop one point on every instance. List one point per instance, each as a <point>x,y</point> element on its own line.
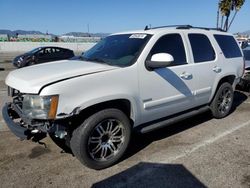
<point>247,54</point>
<point>34,50</point>
<point>117,50</point>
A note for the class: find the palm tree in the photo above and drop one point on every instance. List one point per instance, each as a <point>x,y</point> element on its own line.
<point>225,8</point>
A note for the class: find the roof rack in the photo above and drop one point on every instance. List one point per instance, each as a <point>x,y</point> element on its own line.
<point>185,27</point>
<point>148,28</point>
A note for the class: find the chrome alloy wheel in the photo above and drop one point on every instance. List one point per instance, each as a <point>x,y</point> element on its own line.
<point>106,140</point>
<point>225,100</point>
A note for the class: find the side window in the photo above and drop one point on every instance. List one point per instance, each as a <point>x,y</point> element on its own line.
<point>228,46</point>
<point>173,45</point>
<point>57,50</point>
<point>40,53</point>
<point>201,47</point>
<point>47,50</point>
<point>53,50</point>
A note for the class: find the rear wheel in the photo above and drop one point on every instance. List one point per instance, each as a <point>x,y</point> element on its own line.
<point>223,100</point>
<point>101,140</point>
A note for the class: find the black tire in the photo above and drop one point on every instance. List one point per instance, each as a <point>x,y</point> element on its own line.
<point>223,100</point>
<point>61,143</point>
<point>31,63</point>
<point>109,129</point>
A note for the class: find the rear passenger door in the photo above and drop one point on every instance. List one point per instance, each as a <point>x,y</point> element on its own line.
<point>205,68</point>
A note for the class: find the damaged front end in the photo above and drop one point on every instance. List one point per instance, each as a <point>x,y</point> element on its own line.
<point>33,116</point>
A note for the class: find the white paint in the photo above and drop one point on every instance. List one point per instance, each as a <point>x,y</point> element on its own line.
<point>206,142</point>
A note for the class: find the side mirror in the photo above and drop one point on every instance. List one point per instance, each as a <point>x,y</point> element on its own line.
<point>160,60</point>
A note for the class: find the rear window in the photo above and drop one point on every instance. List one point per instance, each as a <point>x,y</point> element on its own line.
<point>228,46</point>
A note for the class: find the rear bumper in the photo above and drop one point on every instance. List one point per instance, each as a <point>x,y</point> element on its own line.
<point>9,115</point>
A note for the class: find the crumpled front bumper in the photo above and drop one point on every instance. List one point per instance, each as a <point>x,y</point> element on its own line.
<point>9,115</point>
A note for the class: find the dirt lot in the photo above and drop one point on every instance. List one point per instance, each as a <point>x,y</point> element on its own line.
<point>198,152</point>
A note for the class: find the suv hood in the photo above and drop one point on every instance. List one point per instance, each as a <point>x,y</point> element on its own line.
<point>32,79</point>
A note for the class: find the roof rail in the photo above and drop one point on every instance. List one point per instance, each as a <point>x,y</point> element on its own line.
<point>148,28</point>
<point>185,27</point>
<point>205,28</point>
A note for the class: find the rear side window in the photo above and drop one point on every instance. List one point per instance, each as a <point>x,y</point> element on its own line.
<point>228,46</point>
<point>201,47</point>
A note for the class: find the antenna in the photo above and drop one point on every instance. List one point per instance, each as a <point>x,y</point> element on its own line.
<point>147,27</point>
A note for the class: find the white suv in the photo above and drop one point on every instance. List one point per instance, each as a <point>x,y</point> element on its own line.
<point>138,80</point>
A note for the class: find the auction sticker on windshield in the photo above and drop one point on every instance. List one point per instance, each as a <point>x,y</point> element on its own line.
<point>138,36</point>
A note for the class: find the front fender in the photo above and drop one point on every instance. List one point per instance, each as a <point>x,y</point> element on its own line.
<point>82,92</point>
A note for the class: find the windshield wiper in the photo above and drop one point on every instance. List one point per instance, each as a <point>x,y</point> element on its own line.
<point>96,59</point>
<point>99,60</point>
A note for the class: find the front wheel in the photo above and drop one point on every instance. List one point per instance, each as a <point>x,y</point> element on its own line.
<point>101,140</point>
<point>223,100</point>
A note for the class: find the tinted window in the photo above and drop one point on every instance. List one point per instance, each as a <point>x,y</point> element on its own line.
<point>35,50</point>
<point>201,47</point>
<point>173,45</point>
<point>57,50</point>
<point>118,50</point>
<point>228,46</point>
<point>247,54</point>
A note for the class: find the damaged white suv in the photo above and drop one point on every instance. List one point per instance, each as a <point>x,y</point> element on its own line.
<point>139,80</point>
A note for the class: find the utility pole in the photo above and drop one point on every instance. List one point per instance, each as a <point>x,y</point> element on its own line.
<point>88,29</point>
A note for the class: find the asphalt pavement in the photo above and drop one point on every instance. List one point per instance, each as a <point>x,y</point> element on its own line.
<point>198,152</point>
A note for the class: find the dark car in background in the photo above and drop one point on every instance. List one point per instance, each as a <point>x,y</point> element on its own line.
<point>245,81</point>
<point>42,55</point>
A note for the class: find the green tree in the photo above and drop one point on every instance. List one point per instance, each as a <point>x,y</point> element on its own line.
<point>225,8</point>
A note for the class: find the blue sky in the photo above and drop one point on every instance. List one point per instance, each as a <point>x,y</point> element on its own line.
<point>110,16</point>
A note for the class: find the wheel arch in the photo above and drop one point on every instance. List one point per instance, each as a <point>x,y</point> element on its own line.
<point>229,78</point>
<point>125,105</point>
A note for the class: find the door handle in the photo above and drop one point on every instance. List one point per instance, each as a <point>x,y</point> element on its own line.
<point>217,69</point>
<point>186,75</point>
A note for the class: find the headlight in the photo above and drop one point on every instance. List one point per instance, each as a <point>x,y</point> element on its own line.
<point>37,107</point>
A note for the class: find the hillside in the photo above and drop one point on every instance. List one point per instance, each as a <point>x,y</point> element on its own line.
<point>75,34</point>
<point>20,32</point>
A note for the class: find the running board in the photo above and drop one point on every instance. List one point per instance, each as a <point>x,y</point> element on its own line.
<point>170,120</point>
